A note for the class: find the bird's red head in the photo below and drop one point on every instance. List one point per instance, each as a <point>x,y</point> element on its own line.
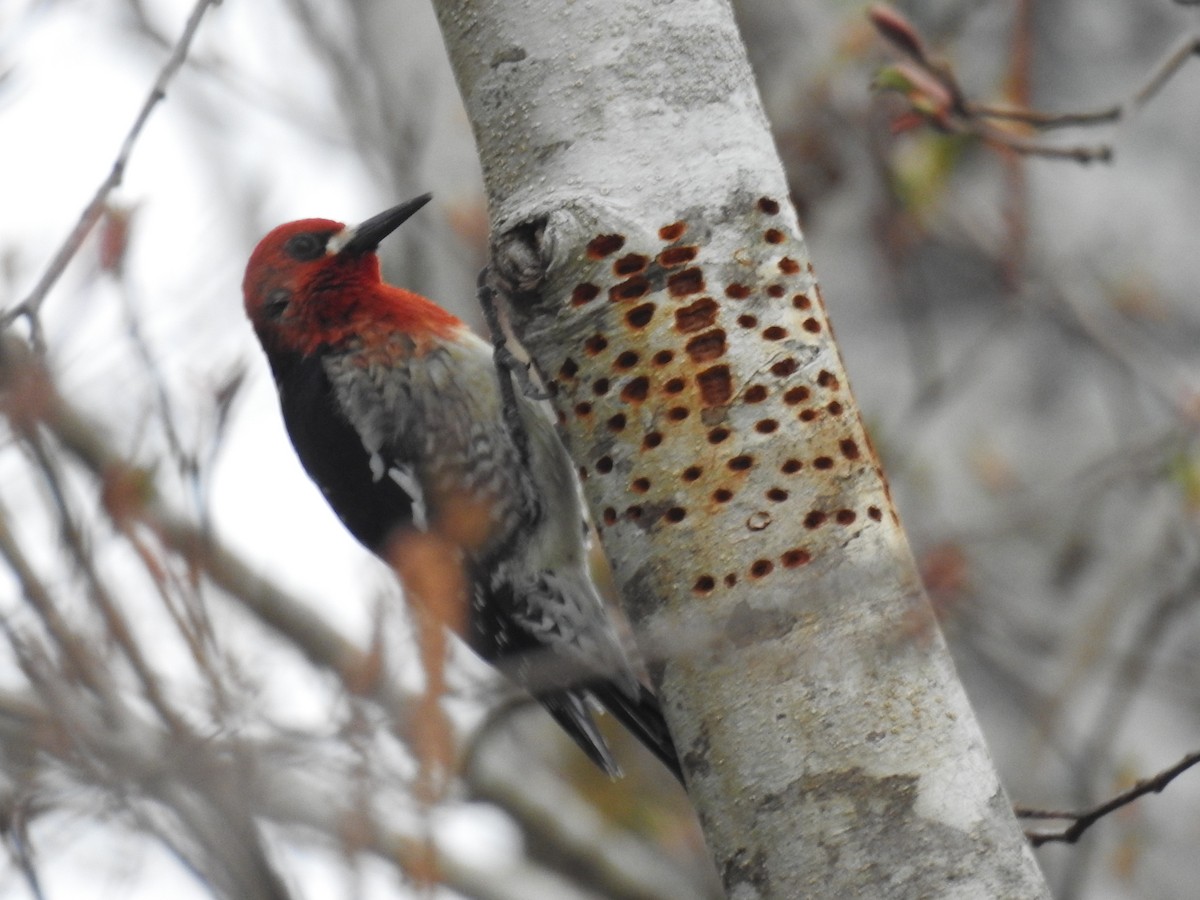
<point>315,282</point>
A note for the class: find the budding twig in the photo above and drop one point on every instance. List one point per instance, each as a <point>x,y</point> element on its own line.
<point>932,89</point>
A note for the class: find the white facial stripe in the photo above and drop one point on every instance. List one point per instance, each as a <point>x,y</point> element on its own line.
<point>336,242</point>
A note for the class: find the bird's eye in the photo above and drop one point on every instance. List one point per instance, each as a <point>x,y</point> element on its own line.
<point>305,247</point>
<point>277,302</point>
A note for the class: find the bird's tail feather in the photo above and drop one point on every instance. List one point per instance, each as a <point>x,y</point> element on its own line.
<point>570,711</point>
<point>643,716</point>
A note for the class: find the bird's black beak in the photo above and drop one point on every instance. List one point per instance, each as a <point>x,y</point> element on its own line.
<point>367,236</point>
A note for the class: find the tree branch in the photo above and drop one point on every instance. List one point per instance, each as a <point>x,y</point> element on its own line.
<point>30,307</point>
<point>1082,820</point>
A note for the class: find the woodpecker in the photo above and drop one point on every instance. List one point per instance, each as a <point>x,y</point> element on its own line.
<point>395,410</point>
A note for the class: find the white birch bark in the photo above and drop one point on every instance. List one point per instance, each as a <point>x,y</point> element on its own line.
<point>659,279</point>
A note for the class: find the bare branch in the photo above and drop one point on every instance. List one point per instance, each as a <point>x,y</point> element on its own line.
<point>1167,69</point>
<point>1044,121</point>
<point>30,307</point>
<point>322,644</point>
<point>1082,820</point>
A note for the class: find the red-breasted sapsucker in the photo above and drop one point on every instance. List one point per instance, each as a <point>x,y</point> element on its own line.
<point>395,410</point>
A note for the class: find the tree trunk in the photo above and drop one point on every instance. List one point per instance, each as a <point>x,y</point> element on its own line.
<point>656,274</point>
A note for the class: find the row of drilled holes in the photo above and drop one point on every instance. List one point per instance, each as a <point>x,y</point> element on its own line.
<point>637,389</point>
<point>813,520</point>
<point>789,559</point>
<point>703,312</point>
<point>760,568</point>
<point>742,462</point>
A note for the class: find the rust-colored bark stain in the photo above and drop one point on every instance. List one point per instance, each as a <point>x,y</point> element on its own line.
<point>718,435</point>
<point>697,316</point>
<point>673,257</point>
<point>771,441</point>
<point>741,463</point>
<point>605,245</point>
<point>636,389</point>
<point>625,360</point>
<point>584,293</point>
<point>797,556</point>
<point>675,515</point>
<point>631,289</point>
<point>630,264</point>
<point>639,317</point>
<point>716,386</point>
<point>706,347</point>
<point>814,519</point>
<point>688,281</point>
<point>672,232</point>
<point>761,568</point>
